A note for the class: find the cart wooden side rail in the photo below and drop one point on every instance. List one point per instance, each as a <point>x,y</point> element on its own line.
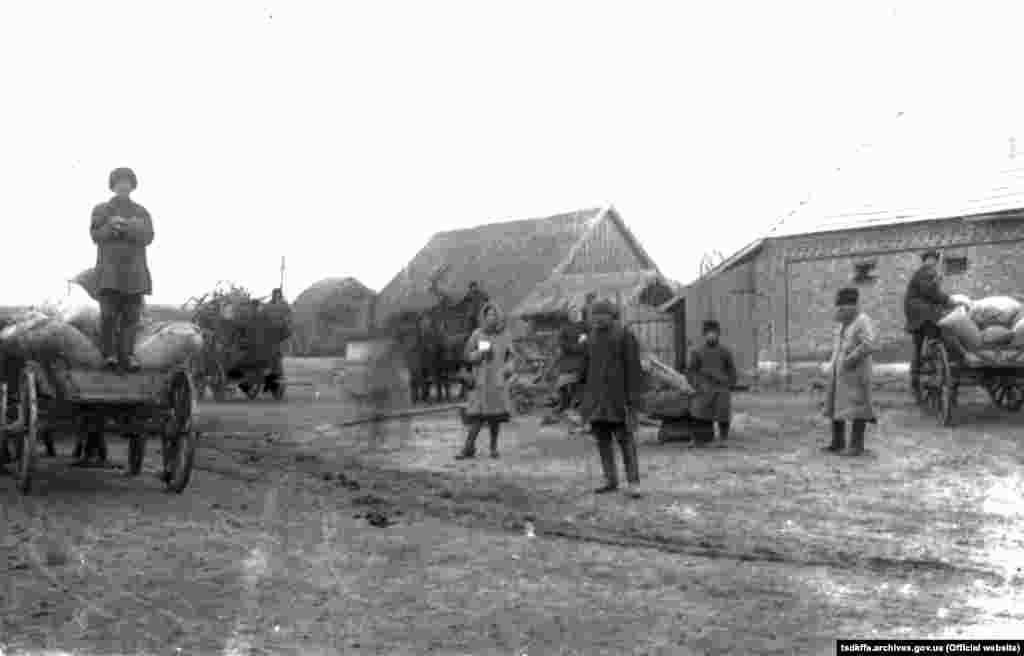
<point>137,405</point>
<point>948,365</point>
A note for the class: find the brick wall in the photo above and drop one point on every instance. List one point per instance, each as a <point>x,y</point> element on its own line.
<point>819,265</point>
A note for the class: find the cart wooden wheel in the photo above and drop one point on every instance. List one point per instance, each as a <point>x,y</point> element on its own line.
<point>28,425</point>
<point>938,386</point>
<point>218,383</point>
<point>1007,397</point>
<point>179,441</point>
<point>136,454</point>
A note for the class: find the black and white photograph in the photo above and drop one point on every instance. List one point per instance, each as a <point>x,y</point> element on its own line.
<point>553,328</point>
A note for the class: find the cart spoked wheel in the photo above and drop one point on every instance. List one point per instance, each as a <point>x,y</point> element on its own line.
<point>937,384</point>
<point>179,441</point>
<point>28,427</point>
<point>1007,397</point>
<point>136,454</point>
<point>218,383</point>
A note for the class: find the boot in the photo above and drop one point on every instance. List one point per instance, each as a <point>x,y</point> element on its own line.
<point>723,430</point>
<point>469,448</point>
<point>838,437</point>
<point>857,438</point>
<point>494,445</point>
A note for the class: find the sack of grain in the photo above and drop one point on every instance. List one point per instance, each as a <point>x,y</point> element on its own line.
<point>170,345</point>
<point>1018,332</point>
<point>960,324</point>
<point>995,311</point>
<point>89,282</point>
<point>44,338</point>
<point>22,324</point>
<point>997,336</point>
<point>962,299</point>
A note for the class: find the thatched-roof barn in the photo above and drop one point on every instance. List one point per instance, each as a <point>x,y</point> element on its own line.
<point>511,259</point>
<point>327,313</point>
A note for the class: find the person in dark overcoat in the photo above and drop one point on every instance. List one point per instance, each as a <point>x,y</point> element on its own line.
<point>122,230</point>
<point>489,352</point>
<point>849,393</point>
<point>713,373</point>
<point>613,387</point>
<point>924,304</point>
<point>572,349</point>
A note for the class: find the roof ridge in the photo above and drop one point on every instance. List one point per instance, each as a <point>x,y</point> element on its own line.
<point>508,222</point>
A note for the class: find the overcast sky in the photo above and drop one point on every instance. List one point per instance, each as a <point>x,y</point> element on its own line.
<point>341,135</point>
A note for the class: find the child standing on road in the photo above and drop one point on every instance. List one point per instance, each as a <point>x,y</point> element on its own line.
<point>713,373</point>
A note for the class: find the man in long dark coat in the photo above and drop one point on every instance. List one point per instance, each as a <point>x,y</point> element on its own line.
<point>924,304</point>
<point>122,230</point>
<point>713,372</point>
<point>613,386</point>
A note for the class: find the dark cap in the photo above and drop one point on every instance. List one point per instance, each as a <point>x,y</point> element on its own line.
<point>123,173</point>
<point>711,326</point>
<point>848,296</point>
<point>927,254</point>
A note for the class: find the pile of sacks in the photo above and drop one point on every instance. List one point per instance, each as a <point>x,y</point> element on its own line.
<point>996,321</point>
<point>69,329</point>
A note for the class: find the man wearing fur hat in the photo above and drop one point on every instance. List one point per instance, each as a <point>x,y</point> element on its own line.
<point>613,385</point>
<point>713,372</point>
<point>121,229</point>
<point>924,304</point>
<point>849,391</point>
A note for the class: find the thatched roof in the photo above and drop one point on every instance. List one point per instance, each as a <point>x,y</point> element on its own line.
<point>508,260</point>
<point>556,294</point>
<point>312,299</point>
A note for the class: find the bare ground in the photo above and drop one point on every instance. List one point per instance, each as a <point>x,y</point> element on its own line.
<point>764,546</point>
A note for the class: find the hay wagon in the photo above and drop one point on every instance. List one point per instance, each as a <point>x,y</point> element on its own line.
<point>51,398</point>
<point>947,365</point>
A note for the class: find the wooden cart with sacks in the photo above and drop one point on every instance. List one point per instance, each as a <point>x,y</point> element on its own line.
<point>981,344</point>
<point>54,383</point>
<point>242,345</point>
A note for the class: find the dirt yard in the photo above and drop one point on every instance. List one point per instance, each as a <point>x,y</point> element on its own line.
<point>297,536</point>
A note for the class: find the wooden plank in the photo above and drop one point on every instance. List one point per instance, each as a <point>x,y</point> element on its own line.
<point>111,387</point>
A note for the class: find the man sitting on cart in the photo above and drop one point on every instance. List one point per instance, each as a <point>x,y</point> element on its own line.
<point>924,304</point>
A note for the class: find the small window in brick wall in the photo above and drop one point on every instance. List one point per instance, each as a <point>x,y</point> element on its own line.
<point>864,272</point>
<point>955,265</point>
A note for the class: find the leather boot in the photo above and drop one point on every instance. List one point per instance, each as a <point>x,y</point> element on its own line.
<point>838,437</point>
<point>469,448</point>
<point>857,438</point>
<point>494,444</point>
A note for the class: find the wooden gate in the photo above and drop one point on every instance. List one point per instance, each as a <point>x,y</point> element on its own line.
<point>656,331</point>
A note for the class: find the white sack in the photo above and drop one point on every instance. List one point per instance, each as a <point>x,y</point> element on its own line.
<point>995,311</point>
<point>997,336</point>
<point>170,345</point>
<point>961,325</point>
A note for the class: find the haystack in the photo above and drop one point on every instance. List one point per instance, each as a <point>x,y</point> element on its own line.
<point>328,313</point>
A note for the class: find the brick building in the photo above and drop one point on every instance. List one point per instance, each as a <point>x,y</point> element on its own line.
<point>775,297</point>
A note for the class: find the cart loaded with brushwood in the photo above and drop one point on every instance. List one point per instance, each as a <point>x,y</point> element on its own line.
<point>49,396</point>
<point>979,344</point>
<point>242,344</point>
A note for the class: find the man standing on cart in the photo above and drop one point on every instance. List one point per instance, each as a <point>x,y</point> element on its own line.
<point>924,304</point>
<point>122,230</point>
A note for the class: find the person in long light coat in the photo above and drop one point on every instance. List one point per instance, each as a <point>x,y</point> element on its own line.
<point>850,370</point>
<point>489,351</point>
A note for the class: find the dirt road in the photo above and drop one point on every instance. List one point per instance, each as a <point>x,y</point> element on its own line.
<point>764,546</point>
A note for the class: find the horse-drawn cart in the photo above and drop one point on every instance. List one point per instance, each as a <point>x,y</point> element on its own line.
<point>947,365</point>
<point>52,398</point>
